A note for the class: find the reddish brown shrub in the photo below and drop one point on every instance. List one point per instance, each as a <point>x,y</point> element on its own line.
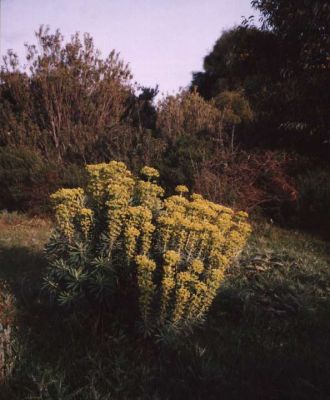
<point>248,181</point>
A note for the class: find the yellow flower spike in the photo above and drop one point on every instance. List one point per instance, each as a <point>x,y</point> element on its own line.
<point>131,234</point>
<point>85,220</point>
<point>145,269</point>
<point>171,259</point>
<point>180,236</point>
<point>147,230</point>
<point>182,298</point>
<point>196,302</point>
<point>186,282</point>
<point>67,204</point>
<point>191,242</point>
<point>166,227</point>
<point>149,194</point>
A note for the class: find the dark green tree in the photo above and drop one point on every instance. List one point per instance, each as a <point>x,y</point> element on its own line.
<point>247,60</point>
<point>283,68</point>
<point>303,27</point>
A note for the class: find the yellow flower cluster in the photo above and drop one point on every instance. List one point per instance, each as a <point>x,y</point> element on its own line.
<point>149,195</point>
<point>111,187</point>
<point>149,172</point>
<point>138,224</point>
<point>206,236</point>
<point>181,189</point>
<point>107,180</point>
<point>186,243</point>
<point>68,204</point>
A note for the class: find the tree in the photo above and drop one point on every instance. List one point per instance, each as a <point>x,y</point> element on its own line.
<point>303,27</point>
<point>188,125</point>
<point>197,130</point>
<point>242,57</point>
<point>186,113</point>
<point>66,97</point>
<point>235,109</point>
<point>283,69</point>
<point>247,60</point>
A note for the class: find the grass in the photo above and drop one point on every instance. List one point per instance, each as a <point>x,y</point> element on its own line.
<point>21,243</point>
<point>266,337</point>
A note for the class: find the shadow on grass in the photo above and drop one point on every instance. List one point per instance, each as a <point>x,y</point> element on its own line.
<point>266,337</point>
<point>23,270</point>
<point>18,264</point>
<point>58,354</point>
<point>42,334</point>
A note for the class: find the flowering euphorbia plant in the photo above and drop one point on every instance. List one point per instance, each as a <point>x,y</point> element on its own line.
<point>174,251</point>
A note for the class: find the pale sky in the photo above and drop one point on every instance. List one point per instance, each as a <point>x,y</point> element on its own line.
<point>164,41</point>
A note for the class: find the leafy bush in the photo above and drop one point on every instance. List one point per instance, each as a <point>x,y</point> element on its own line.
<point>27,179</point>
<point>182,159</point>
<point>249,181</point>
<point>118,238</point>
<point>186,113</point>
<point>21,172</point>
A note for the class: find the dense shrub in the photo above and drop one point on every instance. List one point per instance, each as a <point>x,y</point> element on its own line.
<point>118,238</point>
<point>27,179</point>
<point>186,113</point>
<point>249,181</point>
<point>182,160</point>
<point>22,171</point>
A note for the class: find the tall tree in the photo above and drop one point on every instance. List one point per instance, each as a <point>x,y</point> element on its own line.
<point>283,68</point>
<point>303,27</point>
<point>246,59</point>
<point>65,98</point>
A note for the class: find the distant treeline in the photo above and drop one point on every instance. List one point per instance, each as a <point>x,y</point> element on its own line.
<point>252,131</point>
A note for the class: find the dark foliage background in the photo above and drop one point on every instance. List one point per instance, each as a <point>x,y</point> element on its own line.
<point>253,131</point>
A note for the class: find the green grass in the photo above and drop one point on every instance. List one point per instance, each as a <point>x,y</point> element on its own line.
<point>21,244</point>
<point>266,337</point>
